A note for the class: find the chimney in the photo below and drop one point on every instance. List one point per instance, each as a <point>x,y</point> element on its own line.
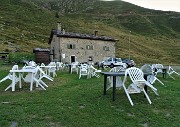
<point>95,32</point>
<point>63,31</point>
<point>59,26</point>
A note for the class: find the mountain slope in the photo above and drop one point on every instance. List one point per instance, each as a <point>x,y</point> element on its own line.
<point>154,36</point>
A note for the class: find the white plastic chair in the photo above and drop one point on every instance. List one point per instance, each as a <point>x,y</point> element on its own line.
<point>171,71</point>
<point>52,69</point>
<point>92,71</point>
<point>42,74</point>
<point>59,66</point>
<point>83,70</point>
<point>153,77</point>
<point>34,78</point>
<point>74,67</point>
<point>138,82</point>
<point>10,77</point>
<point>43,67</point>
<point>157,68</point>
<point>32,63</point>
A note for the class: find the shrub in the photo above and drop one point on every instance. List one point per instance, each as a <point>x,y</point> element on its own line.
<point>20,57</point>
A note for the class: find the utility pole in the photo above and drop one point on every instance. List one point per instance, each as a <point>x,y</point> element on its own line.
<point>129,44</point>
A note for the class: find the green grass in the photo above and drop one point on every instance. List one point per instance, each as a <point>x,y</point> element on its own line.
<point>70,102</point>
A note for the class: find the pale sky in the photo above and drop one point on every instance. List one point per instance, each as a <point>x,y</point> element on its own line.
<point>164,5</point>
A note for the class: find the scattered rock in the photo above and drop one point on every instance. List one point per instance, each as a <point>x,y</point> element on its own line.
<point>14,124</point>
<point>119,110</point>
<point>145,125</point>
<point>130,114</point>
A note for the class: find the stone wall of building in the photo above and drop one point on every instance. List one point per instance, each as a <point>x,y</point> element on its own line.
<point>83,50</point>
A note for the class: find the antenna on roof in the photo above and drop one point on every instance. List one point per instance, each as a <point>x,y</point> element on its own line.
<point>129,44</point>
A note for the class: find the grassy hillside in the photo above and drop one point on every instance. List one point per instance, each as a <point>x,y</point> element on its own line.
<point>154,36</point>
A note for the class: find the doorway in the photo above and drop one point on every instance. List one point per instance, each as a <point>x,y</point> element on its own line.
<point>73,59</point>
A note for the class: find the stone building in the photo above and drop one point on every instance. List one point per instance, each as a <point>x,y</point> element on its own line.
<point>69,47</point>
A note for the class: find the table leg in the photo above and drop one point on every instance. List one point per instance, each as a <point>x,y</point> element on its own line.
<point>114,87</point>
<point>32,79</point>
<point>20,86</point>
<point>69,68</point>
<point>105,84</point>
<point>164,73</point>
<point>145,87</point>
<point>13,81</point>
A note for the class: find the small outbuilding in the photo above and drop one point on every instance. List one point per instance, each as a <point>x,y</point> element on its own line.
<point>42,55</point>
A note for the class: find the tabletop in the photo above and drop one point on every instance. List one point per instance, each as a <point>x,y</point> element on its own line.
<point>24,70</point>
<point>122,73</point>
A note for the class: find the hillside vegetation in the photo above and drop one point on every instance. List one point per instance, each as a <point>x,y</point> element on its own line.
<point>150,36</point>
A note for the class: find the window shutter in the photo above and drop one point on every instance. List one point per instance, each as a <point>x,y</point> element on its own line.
<point>104,47</point>
<point>68,46</point>
<point>91,47</point>
<point>73,46</point>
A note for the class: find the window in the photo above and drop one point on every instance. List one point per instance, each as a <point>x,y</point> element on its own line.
<point>90,58</point>
<point>89,47</point>
<point>106,48</point>
<point>71,46</point>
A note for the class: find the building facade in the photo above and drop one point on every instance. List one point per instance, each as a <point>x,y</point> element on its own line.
<point>70,47</point>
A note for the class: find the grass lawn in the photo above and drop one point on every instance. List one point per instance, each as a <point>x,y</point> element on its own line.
<point>70,102</point>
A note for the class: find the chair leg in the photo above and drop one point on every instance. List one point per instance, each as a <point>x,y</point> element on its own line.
<point>48,77</point>
<point>39,84</point>
<point>160,81</point>
<point>5,78</point>
<point>8,87</point>
<point>147,96</point>
<point>171,76</point>
<point>129,98</point>
<point>43,83</point>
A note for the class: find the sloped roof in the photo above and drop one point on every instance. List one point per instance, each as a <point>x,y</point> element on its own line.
<point>40,50</point>
<point>79,35</point>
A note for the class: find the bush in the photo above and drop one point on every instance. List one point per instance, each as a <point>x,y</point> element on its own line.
<point>20,57</point>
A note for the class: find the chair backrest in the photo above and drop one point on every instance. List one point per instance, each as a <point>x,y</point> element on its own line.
<point>52,64</point>
<point>117,69</point>
<point>83,69</point>
<point>52,67</point>
<point>15,67</point>
<point>59,64</point>
<point>170,70</point>
<point>29,76</point>
<point>32,63</point>
<point>157,68</point>
<point>135,74</point>
<point>160,66</point>
<point>74,65</point>
<point>42,64</point>
<point>84,66</point>
<point>146,68</point>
